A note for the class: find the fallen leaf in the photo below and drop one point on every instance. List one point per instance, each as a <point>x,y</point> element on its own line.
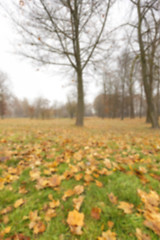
<point>108,236</point>
<point>112,198</point>
<point>75,221</point>
<point>78,189</point>
<point>19,203</point>
<point>126,207</point>
<point>78,202</point>
<point>6,210</point>
<point>39,227</point>
<point>49,214</point>
<point>67,194</point>
<point>141,236</point>
<point>110,224</point>
<point>95,213</point>
<point>99,184</point>
<point>55,181</point>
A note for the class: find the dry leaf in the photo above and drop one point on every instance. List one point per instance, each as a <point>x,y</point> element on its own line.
<point>50,214</point>
<point>78,189</point>
<point>112,198</point>
<point>78,176</point>
<point>108,236</point>
<point>75,221</point>
<point>6,210</point>
<point>19,203</point>
<point>95,213</point>
<point>7,230</point>
<point>99,184</point>
<point>39,227</point>
<point>107,163</point>
<point>126,207</point>
<point>54,203</point>
<point>55,181</point>
<point>78,202</point>
<point>110,224</point>
<point>67,194</point>
<point>141,236</point>
<point>34,174</point>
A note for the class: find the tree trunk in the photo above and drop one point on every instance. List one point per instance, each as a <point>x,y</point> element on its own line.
<point>80,102</point>
<point>122,103</point>
<point>141,102</point>
<point>148,120</point>
<point>152,113</point>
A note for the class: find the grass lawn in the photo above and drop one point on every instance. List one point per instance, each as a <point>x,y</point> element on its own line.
<point>60,182</point>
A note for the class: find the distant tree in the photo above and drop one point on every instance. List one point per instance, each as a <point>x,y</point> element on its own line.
<point>71,107</point>
<point>4,93</point>
<point>42,108</point>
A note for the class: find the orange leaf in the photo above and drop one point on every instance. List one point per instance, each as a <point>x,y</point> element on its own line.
<point>99,184</point>
<point>75,221</point>
<point>39,227</point>
<point>95,213</point>
<point>110,224</point>
<point>75,218</point>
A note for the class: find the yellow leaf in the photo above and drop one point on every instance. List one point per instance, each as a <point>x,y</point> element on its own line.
<point>19,203</point>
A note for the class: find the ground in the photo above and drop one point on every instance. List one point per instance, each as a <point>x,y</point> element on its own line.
<point>61,182</point>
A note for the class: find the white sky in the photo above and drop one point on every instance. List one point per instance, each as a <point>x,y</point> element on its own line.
<point>26,81</point>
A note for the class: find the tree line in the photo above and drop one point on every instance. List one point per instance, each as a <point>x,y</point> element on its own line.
<point>113,101</point>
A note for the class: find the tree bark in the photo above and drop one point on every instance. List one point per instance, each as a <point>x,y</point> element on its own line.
<point>80,102</point>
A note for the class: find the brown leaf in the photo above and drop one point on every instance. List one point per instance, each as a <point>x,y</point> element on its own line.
<point>54,203</point>
<point>55,181</point>
<point>78,176</point>
<point>19,203</point>
<point>34,174</point>
<point>141,236</point>
<point>39,227</point>
<point>153,223</point>
<point>67,194</point>
<point>112,198</point>
<point>6,210</point>
<point>107,163</point>
<point>50,214</point>
<point>126,207</point>
<point>108,236</point>
<point>99,184</point>
<point>78,202</point>
<point>95,213</point>
<point>78,189</point>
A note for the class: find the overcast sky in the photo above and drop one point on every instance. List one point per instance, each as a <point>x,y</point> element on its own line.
<point>30,81</point>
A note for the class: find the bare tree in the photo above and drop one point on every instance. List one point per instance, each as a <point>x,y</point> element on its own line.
<point>4,94</point>
<point>148,36</point>
<point>65,33</point>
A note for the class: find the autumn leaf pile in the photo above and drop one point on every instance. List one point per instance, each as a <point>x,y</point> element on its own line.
<point>57,181</point>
